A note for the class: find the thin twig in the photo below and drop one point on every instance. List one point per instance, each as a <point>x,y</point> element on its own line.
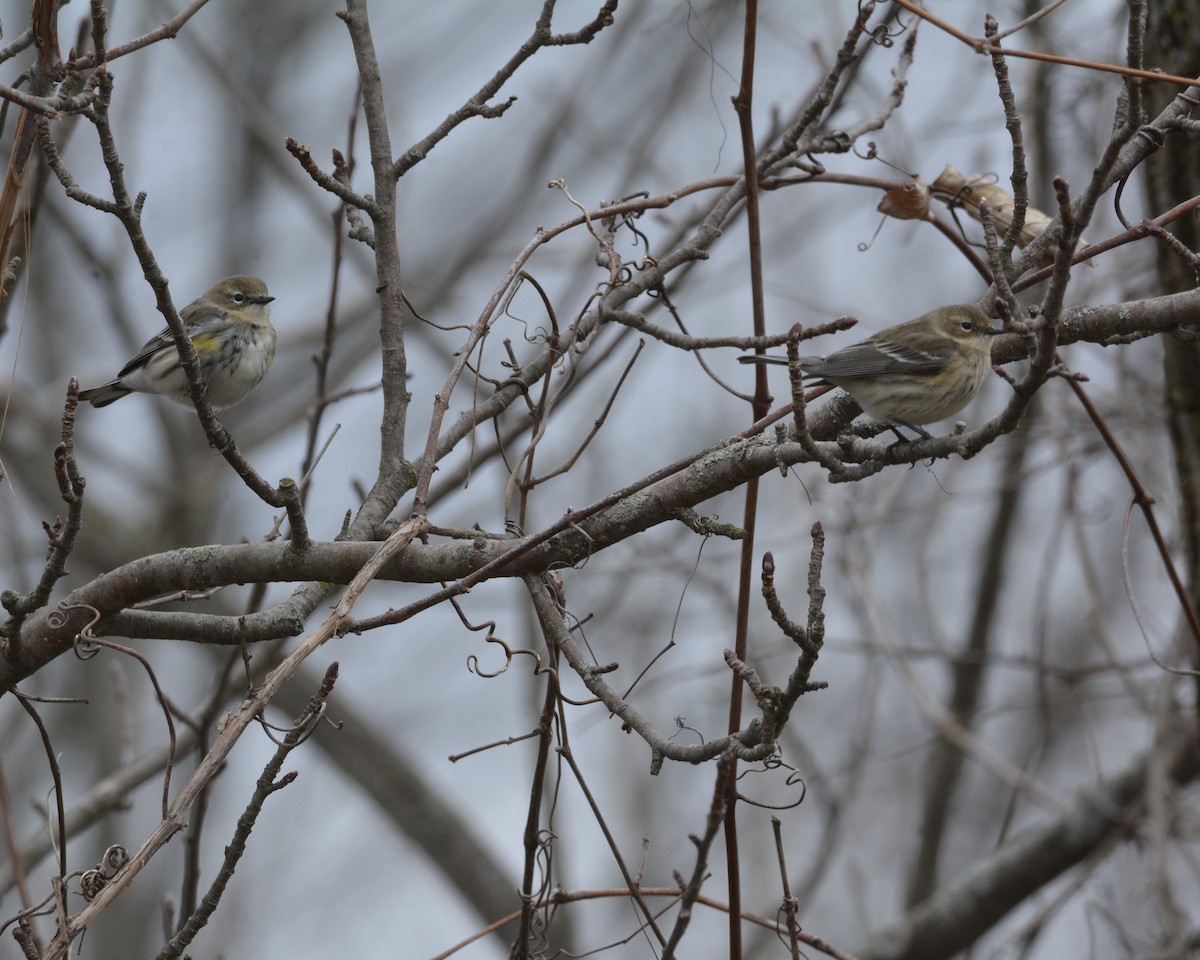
<point>267,784</point>
<point>979,46</point>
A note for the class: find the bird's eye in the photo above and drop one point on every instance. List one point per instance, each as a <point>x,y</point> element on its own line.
<point>967,326</point>
<point>239,298</point>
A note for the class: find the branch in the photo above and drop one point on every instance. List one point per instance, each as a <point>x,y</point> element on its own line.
<point>399,784</point>
<point>106,796</point>
<point>654,499</point>
<point>236,723</point>
<point>337,187</point>
<point>745,745</point>
<point>129,212</point>
<point>167,31</point>
<point>61,534</point>
<point>691,890</point>
<point>957,916</point>
<point>393,478</point>
<point>301,729</point>
<point>979,46</point>
<point>685,342</point>
<point>477,105</point>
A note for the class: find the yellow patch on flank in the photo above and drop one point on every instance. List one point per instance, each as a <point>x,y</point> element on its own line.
<point>205,343</point>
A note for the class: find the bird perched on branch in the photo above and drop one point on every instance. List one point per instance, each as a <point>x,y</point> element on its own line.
<point>230,328</point>
<point>917,372</point>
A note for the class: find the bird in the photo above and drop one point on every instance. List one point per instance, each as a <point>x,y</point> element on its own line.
<point>230,327</point>
<point>917,372</point>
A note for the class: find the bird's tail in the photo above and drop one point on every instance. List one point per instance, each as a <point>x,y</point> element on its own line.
<point>104,394</point>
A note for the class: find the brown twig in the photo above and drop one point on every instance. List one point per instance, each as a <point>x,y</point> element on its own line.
<point>980,46</point>
<point>1144,501</point>
<point>576,896</point>
<point>632,883</point>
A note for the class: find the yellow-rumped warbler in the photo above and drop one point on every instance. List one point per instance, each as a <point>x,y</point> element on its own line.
<point>231,330</point>
<point>916,372</point>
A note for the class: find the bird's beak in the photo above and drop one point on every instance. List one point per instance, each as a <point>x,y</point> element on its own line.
<point>265,300</point>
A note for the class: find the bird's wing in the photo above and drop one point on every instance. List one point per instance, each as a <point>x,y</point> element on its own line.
<point>163,338</point>
<point>149,349</point>
<point>873,357</point>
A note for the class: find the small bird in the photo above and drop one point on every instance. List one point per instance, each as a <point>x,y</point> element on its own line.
<point>917,372</point>
<point>229,326</point>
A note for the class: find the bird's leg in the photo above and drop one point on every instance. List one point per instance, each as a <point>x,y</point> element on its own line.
<point>894,426</point>
<point>902,440</point>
